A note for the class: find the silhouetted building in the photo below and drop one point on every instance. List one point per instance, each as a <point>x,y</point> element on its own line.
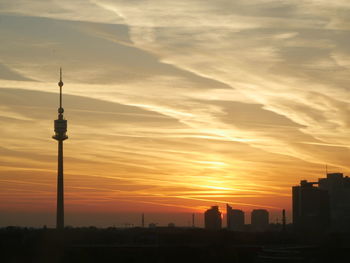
<point>212,218</point>
<point>235,219</point>
<point>260,220</point>
<point>152,225</point>
<point>284,220</point>
<point>60,136</point>
<point>338,188</point>
<point>310,207</point>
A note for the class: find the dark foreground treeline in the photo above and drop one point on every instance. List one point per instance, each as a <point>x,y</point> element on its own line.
<point>168,245</point>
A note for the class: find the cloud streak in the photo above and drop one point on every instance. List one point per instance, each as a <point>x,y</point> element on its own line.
<point>234,98</point>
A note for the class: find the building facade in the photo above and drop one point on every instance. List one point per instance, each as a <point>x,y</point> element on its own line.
<point>235,219</point>
<point>338,188</point>
<point>310,207</point>
<point>212,218</point>
<point>259,220</point>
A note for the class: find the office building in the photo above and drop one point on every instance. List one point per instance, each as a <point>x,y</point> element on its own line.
<point>310,207</point>
<point>235,219</point>
<point>260,220</point>
<point>338,188</point>
<point>212,218</point>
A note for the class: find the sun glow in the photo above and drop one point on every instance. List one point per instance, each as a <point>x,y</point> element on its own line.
<point>171,111</point>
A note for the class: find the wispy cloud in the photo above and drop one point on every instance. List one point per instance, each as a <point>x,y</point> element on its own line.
<point>239,99</point>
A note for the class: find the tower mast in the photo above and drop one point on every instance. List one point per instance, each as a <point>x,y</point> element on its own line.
<point>60,136</point>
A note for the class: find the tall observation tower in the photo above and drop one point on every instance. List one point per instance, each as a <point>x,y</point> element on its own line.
<point>60,136</point>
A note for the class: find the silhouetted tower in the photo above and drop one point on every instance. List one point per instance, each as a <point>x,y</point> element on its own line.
<point>193,225</point>
<point>284,220</point>
<point>60,136</point>
<point>212,218</point>
<point>143,220</point>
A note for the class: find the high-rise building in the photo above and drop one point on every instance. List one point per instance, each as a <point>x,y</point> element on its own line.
<point>235,219</point>
<point>338,188</point>
<point>212,218</point>
<point>310,207</point>
<point>60,136</point>
<point>260,220</point>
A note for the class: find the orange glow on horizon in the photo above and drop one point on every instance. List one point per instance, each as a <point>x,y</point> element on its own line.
<point>214,104</point>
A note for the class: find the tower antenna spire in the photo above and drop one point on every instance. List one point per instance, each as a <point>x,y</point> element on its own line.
<point>60,84</point>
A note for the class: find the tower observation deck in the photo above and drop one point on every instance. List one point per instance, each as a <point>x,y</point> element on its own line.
<point>60,136</point>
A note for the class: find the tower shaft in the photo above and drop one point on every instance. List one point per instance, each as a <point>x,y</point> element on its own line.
<point>60,188</point>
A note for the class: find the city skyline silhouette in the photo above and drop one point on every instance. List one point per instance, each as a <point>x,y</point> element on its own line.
<point>170,112</point>
<point>199,131</point>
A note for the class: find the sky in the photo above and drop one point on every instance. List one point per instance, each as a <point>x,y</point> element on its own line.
<point>172,106</point>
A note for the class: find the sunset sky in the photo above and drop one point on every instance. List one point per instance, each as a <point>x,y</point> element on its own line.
<point>172,106</point>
